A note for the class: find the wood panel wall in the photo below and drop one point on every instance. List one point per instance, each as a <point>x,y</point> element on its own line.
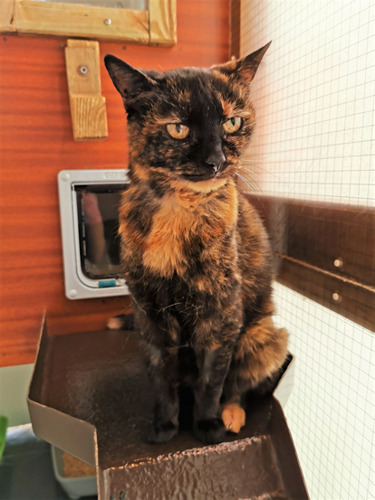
<point>36,142</point>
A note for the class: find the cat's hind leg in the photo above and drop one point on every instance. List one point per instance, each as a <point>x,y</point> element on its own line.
<point>257,359</point>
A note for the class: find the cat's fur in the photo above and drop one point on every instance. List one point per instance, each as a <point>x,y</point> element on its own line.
<point>195,254</point>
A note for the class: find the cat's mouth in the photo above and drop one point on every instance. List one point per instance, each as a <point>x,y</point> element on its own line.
<point>199,177</point>
<point>206,181</point>
<point>206,175</point>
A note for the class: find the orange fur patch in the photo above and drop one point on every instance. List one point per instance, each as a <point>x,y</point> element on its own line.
<point>233,417</point>
<point>142,173</point>
<point>182,215</point>
<point>204,284</point>
<point>230,110</point>
<point>134,239</point>
<point>227,108</point>
<point>219,75</point>
<point>163,249</point>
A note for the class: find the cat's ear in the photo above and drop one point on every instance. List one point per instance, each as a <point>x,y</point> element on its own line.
<point>244,68</point>
<point>128,81</point>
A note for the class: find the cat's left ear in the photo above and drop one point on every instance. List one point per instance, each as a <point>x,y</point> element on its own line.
<point>244,68</point>
<point>129,81</point>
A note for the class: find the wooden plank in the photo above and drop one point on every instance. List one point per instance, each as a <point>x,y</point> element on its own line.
<point>68,20</point>
<point>324,251</point>
<point>156,26</point>
<point>87,105</point>
<point>7,16</point>
<point>78,54</point>
<point>235,28</point>
<point>89,117</point>
<point>163,27</point>
<point>349,299</point>
<point>37,142</point>
<point>336,238</point>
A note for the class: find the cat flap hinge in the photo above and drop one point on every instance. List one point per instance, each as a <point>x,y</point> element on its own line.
<point>87,105</point>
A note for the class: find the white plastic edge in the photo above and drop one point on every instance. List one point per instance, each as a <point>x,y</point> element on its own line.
<point>77,285</point>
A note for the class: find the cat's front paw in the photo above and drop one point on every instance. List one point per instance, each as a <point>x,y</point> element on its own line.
<point>210,431</point>
<point>162,432</point>
<point>234,417</point>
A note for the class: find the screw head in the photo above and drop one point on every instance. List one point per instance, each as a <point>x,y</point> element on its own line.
<point>336,297</point>
<point>108,21</point>
<point>65,176</point>
<point>83,70</point>
<point>338,262</point>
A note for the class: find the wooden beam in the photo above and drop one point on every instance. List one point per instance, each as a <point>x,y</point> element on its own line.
<point>163,26</point>
<point>235,28</point>
<point>52,18</point>
<point>7,16</point>
<point>324,251</point>
<point>87,105</point>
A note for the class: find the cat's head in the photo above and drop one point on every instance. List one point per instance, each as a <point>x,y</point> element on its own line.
<point>188,126</point>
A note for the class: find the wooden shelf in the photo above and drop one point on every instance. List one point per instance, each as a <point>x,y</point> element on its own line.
<point>90,396</point>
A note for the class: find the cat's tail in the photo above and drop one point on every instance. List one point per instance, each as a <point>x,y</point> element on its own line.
<point>121,322</point>
<point>260,354</point>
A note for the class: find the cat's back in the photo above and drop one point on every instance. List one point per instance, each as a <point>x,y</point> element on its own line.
<point>254,251</point>
<point>250,224</point>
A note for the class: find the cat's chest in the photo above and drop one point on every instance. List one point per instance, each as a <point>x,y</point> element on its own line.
<point>184,228</point>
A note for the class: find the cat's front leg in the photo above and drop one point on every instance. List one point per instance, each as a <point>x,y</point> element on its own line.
<point>158,336</point>
<point>162,369</point>
<point>213,364</point>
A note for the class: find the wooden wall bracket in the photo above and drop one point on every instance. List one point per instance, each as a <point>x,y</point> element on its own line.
<point>87,105</point>
<point>324,251</point>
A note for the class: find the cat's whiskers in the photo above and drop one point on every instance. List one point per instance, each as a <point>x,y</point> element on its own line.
<point>255,185</point>
<point>259,168</point>
<point>163,309</point>
<point>249,176</point>
<point>244,180</point>
<point>138,305</point>
<point>255,192</point>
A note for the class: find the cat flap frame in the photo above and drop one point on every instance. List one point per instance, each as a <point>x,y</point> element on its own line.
<point>154,26</point>
<point>78,283</point>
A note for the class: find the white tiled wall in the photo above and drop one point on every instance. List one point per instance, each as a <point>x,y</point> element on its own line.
<point>331,411</point>
<point>314,98</point>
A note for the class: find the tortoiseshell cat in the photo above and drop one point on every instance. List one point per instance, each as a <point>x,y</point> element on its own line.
<point>195,254</point>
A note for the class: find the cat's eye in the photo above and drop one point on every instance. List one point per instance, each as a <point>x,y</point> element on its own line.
<point>177,130</point>
<point>232,125</point>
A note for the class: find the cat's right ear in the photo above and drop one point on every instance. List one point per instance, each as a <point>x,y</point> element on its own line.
<point>245,68</point>
<point>128,81</point>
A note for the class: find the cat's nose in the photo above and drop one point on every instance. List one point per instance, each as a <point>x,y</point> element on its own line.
<point>216,159</point>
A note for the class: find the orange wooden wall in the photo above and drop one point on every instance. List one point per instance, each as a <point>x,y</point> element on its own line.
<point>36,143</point>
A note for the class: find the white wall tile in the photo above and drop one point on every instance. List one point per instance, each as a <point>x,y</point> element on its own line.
<point>314,94</point>
<point>314,98</point>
